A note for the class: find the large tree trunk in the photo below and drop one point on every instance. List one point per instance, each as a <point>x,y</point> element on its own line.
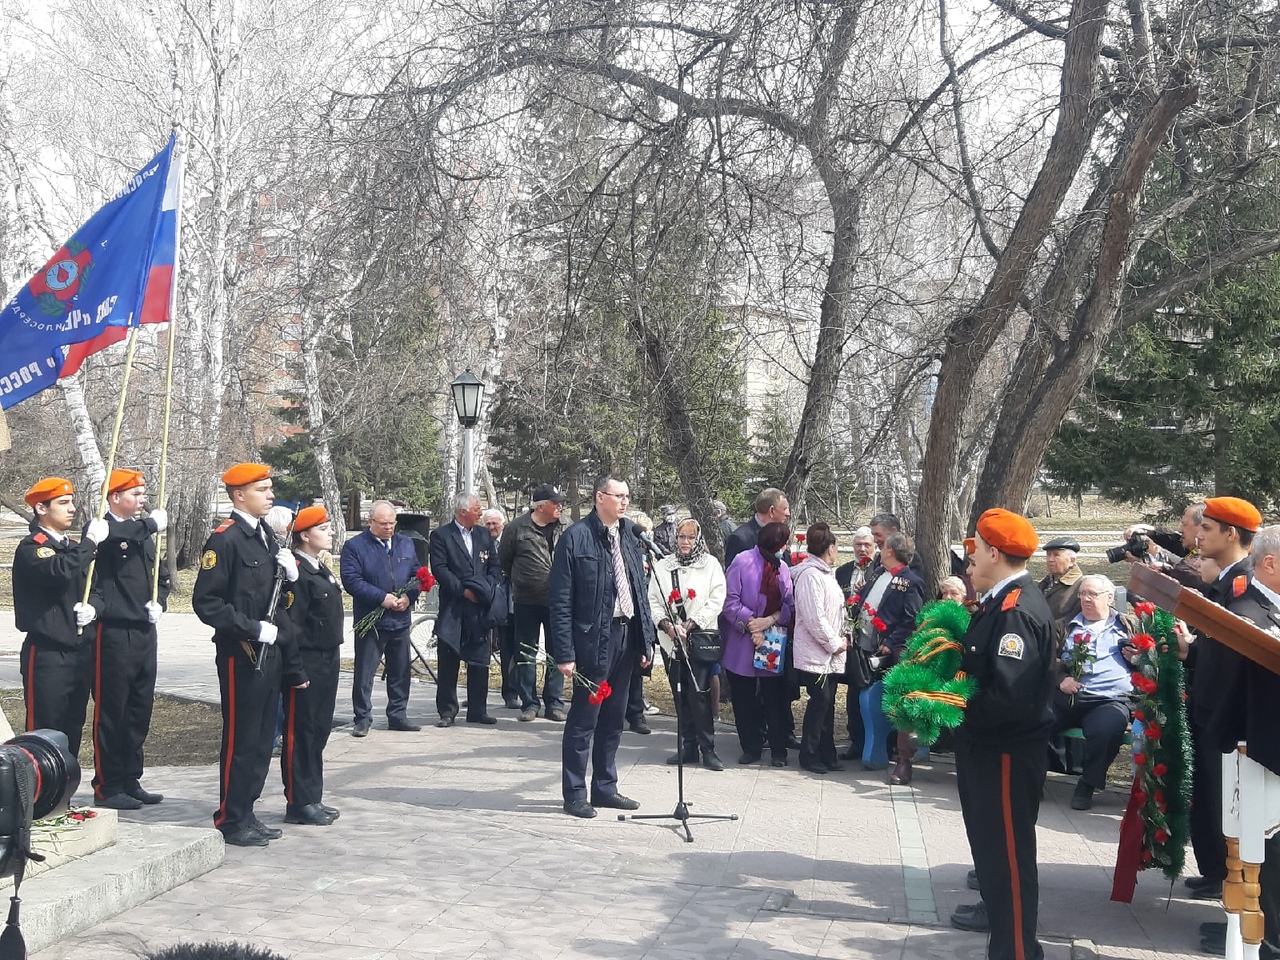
<point>93,470</point>
<point>317,428</point>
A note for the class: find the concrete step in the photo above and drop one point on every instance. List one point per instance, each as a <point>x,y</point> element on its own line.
<point>144,862</point>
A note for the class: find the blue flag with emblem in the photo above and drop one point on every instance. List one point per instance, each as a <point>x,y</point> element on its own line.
<point>95,282</point>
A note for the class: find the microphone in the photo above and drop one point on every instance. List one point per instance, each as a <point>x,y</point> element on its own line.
<point>648,541</point>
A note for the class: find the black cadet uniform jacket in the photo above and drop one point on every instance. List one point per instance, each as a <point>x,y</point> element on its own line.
<point>48,581</point>
<point>314,606</point>
<point>122,576</point>
<point>1009,651</point>
<point>1214,666</point>
<point>1248,708</point>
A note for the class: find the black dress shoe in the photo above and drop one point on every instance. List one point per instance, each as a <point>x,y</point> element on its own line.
<point>749,758</point>
<point>1196,883</point>
<point>271,833</point>
<point>712,762</point>
<point>778,762</point>
<point>853,753</point>
<point>832,766</point>
<point>813,766</point>
<point>1082,799</point>
<point>971,881</point>
<point>615,801</point>
<point>361,729</point>
<point>1212,892</point>
<point>689,756</point>
<point>974,919</point>
<point>310,814</point>
<point>1216,946</point>
<point>119,801</point>
<point>445,722</point>
<point>792,742</point>
<point>246,837</point>
<point>640,725</point>
<point>143,796</point>
<point>580,808</point>
<point>333,812</point>
<point>486,719</point>
<point>404,726</point>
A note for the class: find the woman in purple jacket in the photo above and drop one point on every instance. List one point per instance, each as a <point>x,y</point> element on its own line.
<point>758,599</point>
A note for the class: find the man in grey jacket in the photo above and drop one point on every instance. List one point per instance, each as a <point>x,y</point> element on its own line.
<point>525,552</point>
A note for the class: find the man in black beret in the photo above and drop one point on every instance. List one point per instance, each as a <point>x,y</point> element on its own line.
<point>1061,588</point>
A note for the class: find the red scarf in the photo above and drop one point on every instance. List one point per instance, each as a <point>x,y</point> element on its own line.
<point>769,585</point>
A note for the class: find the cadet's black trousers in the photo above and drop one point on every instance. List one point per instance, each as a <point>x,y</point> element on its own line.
<point>55,684</point>
<point>308,718</point>
<point>124,689</point>
<point>250,700</point>
<point>1207,841</point>
<point>1000,790</point>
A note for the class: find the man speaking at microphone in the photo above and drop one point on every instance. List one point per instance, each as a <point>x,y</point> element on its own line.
<point>601,629</point>
<point>233,595</point>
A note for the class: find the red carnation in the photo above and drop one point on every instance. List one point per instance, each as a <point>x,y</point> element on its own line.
<point>1139,715</point>
<point>1152,732</point>
<point>799,538</point>
<point>600,693</point>
<point>1139,759</point>
<point>851,601</point>
<point>1139,796</point>
<point>1144,609</point>
<point>1159,770</point>
<point>1144,641</point>
<point>673,596</point>
<point>1162,835</point>
<point>863,561</point>
<point>1158,796</point>
<point>605,689</point>
<point>879,624</point>
<point>692,594</point>
<point>1146,857</point>
<point>425,580</point>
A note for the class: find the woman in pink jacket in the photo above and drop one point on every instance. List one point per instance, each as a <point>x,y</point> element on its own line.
<point>821,638</point>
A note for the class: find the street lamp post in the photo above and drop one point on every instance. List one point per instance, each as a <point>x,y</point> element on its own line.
<point>468,392</point>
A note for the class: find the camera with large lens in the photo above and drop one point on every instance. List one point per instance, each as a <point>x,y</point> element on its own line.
<point>38,775</point>
<point>1137,545</point>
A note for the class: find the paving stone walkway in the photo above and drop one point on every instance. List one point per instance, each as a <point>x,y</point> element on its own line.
<point>452,844</point>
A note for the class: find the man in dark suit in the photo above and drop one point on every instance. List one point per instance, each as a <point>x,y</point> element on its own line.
<point>465,562</point>
<point>771,507</point>
<point>601,629</point>
<point>376,566</point>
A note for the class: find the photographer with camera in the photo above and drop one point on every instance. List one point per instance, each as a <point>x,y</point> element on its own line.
<point>1175,552</point>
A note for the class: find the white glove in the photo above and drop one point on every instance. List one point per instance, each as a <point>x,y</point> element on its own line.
<point>85,612</point>
<point>154,611</point>
<point>288,563</point>
<point>96,531</point>
<point>267,632</point>
<point>161,517</point>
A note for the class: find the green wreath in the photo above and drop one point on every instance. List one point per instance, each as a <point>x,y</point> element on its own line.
<point>926,692</point>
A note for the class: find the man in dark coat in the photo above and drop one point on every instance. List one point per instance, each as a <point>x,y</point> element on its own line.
<point>378,569</point>
<point>771,507</point>
<point>601,629</point>
<point>49,570</point>
<point>1002,745</point>
<point>465,562</point>
<point>1061,585</point>
<point>124,658</point>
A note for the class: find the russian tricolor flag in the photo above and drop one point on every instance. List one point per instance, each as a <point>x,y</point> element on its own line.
<point>117,271</point>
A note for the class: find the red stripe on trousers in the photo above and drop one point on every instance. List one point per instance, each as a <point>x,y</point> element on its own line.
<point>231,740</point>
<point>287,752</point>
<point>1006,765</point>
<point>31,689</point>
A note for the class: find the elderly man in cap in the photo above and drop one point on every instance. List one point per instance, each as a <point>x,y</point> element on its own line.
<point>1002,745</point>
<point>49,570</point>
<point>664,534</point>
<point>123,677</point>
<point>1061,585</point>
<point>1227,528</point>
<point>525,552</point>
<point>233,594</point>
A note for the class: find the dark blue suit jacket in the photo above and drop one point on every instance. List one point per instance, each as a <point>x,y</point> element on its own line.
<point>460,623</point>
<point>369,574</point>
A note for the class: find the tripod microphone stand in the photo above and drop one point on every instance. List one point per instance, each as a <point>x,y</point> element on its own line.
<point>681,814</point>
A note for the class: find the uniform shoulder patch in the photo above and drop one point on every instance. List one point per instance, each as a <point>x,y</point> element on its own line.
<point>44,553</point>
<point>1239,585</point>
<point>40,538</point>
<point>209,560</point>
<point>223,525</point>
<point>1011,601</point>
<point>1011,645</point>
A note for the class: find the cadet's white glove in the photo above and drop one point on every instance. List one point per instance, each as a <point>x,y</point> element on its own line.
<point>288,563</point>
<point>161,517</point>
<point>96,530</point>
<point>154,611</point>
<point>267,632</point>
<point>85,614</point>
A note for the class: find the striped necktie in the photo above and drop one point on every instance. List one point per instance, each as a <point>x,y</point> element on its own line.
<point>620,582</point>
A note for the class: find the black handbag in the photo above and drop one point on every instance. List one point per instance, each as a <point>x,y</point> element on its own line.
<point>858,665</point>
<point>704,646</point>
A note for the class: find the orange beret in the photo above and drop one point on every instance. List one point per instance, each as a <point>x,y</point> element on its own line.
<point>246,473</point>
<point>970,545</point>
<point>49,488</point>
<point>125,479</point>
<point>1008,532</point>
<point>309,517</point>
<point>1233,511</point>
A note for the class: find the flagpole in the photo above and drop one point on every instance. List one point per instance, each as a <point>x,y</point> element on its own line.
<point>111,456</point>
<point>168,373</point>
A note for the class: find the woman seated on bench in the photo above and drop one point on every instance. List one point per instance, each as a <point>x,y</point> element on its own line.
<point>1099,640</point>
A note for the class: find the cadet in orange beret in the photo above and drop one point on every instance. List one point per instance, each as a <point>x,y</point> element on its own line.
<point>49,570</point>
<point>123,677</point>
<point>233,595</point>
<point>1002,745</point>
<point>1227,527</point>
<point>314,605</point>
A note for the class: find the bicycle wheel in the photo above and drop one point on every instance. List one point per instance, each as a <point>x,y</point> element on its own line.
<point>422,647</point>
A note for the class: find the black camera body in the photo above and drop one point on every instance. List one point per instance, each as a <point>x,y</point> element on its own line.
<point>1137,545</point>
<point>38,774</point>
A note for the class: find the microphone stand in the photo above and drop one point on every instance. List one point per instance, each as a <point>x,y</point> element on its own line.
<point>679,657</point>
